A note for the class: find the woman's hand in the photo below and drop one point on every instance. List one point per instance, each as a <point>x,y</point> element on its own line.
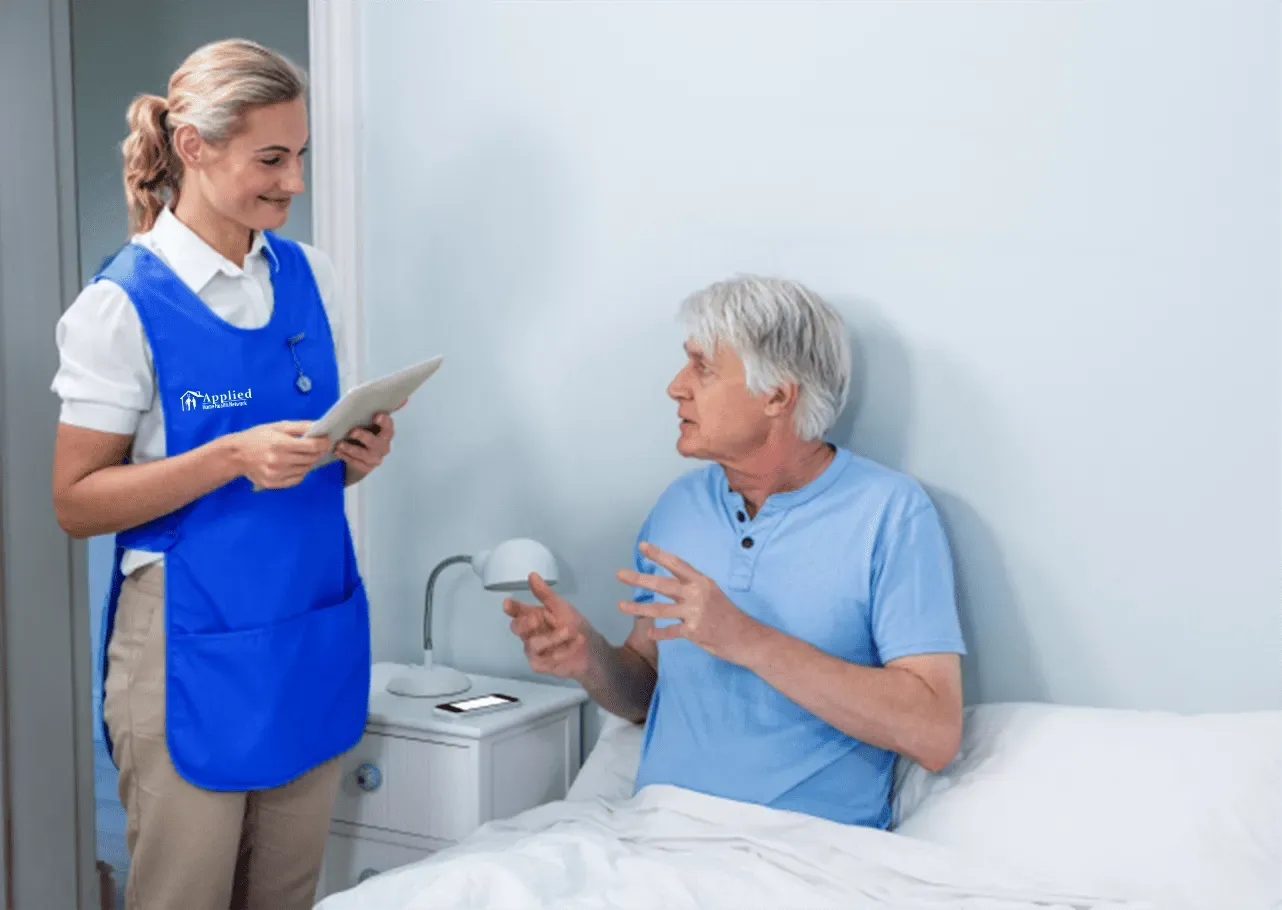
<point>274,456</point>
<point>364,449</point>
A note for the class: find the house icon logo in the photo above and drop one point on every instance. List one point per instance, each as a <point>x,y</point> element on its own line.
<point>190,400</point>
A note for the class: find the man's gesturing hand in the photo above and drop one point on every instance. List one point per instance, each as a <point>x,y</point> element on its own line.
<point>555,634</point>
<point>706,616</point>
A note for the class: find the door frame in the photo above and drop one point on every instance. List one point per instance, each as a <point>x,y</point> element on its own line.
<point>46,754</point>
<point>48,847</point>
<point>335,39</point>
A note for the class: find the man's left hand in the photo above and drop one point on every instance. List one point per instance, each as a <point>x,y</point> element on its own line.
<point>373,447</point>
<point>706,616</point>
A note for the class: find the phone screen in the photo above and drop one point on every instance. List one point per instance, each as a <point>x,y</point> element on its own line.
<point>471,704</point>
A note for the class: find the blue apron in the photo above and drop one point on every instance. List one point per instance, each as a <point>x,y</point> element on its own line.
<point>267,644</point>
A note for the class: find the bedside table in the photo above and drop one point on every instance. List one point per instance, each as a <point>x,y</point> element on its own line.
<point>417,783</point>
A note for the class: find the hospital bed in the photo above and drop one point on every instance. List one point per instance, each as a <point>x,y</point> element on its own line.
<point>1045,806</point>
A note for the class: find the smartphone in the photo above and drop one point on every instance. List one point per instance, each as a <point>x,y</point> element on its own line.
<point>481,704</point>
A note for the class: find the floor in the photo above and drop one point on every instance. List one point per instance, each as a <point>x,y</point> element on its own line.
<point>110,819</point>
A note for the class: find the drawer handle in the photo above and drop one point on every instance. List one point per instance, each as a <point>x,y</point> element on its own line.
<point>367,874</point>
<point>368,777</point>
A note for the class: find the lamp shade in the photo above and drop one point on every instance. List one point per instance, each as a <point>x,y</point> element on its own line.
<point>508,566</point>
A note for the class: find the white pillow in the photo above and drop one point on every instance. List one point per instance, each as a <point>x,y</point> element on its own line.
<point>1183,811</point>
<point>912,784</point>
<point>611,767</point>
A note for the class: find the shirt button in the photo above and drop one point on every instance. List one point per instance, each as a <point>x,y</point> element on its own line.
<point>739,515</point>
<point>747,543</point>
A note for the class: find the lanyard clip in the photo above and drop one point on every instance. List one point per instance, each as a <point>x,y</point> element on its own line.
<point>302,383</point>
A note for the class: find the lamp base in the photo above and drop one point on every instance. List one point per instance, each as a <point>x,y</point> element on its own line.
<point>426,682</point>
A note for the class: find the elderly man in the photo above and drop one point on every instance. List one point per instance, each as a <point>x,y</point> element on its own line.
<point>795,624</point>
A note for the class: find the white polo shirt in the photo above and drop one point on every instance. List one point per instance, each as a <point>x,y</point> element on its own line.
<point>106,378</point>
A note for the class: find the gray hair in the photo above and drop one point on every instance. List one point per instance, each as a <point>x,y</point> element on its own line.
<point>783,332</point>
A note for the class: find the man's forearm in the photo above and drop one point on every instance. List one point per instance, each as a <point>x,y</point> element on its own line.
<point>619,679</point>
<point>888,707</point>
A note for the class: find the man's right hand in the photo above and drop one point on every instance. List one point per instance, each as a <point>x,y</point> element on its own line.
<point>555,634</point>
<point>274,455</point>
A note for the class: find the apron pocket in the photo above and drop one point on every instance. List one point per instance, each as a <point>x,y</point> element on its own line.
<point>257,708</point>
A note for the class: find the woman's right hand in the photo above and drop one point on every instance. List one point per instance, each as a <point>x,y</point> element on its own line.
<point>274,455</point>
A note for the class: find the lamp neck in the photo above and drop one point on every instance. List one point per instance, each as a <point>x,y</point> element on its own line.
<point>427,598</point>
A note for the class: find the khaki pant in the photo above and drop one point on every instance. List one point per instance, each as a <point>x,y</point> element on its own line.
<point>194,849</point>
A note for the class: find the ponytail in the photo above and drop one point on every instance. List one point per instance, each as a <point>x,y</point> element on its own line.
<point>152,168</point>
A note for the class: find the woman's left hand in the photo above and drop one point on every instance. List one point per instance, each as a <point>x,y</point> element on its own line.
<point>373,447</point>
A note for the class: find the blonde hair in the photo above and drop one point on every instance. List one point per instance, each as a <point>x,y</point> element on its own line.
<point>213,90</point>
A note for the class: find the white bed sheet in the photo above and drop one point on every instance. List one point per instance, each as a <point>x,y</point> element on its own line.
<point>671,848</point>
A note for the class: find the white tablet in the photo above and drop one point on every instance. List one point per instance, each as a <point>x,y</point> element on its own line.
<point>358,407</point>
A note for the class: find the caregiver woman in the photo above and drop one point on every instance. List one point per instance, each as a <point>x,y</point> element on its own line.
<point>237,652</point>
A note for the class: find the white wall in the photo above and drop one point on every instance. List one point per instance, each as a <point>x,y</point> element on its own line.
<point>122,49</point>
<point>1054,229</point>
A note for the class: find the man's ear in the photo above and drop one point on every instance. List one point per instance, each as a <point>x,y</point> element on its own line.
<point>782,399</point>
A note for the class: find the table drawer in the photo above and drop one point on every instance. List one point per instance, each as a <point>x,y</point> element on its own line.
<point>351,860</point>
<point>414,786</point>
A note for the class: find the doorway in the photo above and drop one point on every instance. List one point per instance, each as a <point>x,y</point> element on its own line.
<point>159,35</point>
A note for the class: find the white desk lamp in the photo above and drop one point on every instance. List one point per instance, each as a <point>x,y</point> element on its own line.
<point>505,568</point>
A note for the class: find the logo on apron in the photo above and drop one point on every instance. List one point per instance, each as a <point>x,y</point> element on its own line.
<point>202,401</point>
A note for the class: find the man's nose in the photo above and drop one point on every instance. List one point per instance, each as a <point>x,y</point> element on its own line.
<point>678,388</point>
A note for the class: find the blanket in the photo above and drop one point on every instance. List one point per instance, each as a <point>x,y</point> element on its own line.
<point>672,848</point>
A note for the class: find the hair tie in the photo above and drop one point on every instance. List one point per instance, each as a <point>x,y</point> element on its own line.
<point>161,179</point>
